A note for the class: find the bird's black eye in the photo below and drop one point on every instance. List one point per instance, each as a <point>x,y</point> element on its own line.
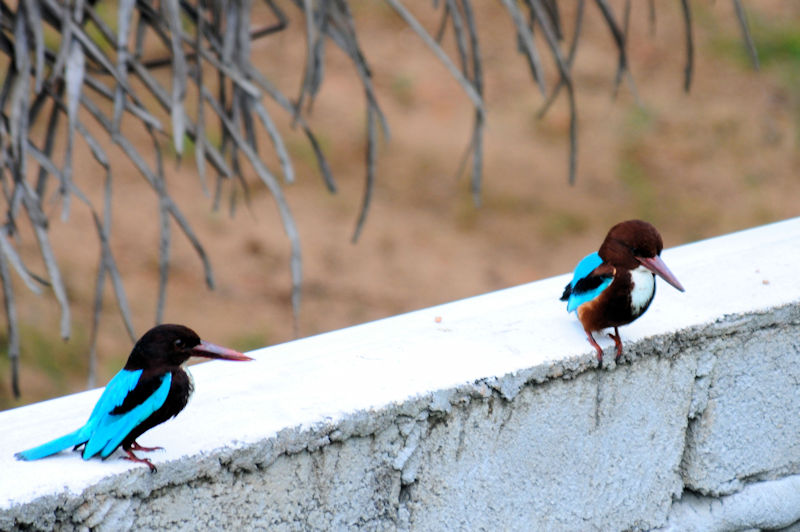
<point>178,343</point>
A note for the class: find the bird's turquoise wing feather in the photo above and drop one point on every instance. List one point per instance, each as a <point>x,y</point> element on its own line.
<point>113,395</point>
<point>116,390</point>
<point>578,295</point>
<point>52,447</point>
<point>110,429</point>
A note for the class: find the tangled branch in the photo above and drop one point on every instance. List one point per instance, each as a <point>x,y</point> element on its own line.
<point>102,63</point>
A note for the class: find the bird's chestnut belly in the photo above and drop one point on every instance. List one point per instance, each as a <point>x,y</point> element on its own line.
<point>616,305</point>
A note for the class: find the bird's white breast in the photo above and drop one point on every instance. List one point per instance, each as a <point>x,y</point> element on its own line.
<point>644,286</point>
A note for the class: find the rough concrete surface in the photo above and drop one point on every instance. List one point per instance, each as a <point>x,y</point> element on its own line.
<point>770,505</point>
<point>599,452</point>
<point>749,426</point>
<point>483,414</point>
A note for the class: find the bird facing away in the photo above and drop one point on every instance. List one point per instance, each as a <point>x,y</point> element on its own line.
<point>150,389</point>
<point>615,285</point>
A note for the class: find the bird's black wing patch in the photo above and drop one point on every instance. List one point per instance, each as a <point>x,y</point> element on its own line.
<point>567,292</point>
<point>592,281</point>
<point>586,284</point>
<point>147,386</point>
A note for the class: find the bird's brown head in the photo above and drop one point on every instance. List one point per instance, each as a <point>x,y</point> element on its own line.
<point>170,345</point>
<point>628,240</point>
<point>635,243</point>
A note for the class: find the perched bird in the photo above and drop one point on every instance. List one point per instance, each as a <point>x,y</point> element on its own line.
<point>150,389</point>
<point>615,286</point>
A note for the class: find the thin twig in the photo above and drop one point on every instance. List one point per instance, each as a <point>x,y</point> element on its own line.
<point>689,68</point>
<point>477,101</point>
<point>748,39</point>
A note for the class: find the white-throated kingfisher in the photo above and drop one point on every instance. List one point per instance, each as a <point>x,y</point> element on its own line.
<point>616,285</point>
<point>150,389</point>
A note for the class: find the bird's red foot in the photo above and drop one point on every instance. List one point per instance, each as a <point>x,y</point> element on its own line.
<point>597,348</point>
<point>133,458</point>
<point>618,341</point>
<point>136,447</point>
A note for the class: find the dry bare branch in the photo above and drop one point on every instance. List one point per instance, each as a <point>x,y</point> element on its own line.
<point>96,69</point>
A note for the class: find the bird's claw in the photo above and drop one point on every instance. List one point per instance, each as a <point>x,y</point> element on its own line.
<point>133,458</point>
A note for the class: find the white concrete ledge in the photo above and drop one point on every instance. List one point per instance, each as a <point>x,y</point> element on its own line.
<point>486,413</point>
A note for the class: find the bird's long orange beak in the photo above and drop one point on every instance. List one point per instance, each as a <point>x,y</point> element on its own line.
<point>209,350</point>
<point>657,266</point>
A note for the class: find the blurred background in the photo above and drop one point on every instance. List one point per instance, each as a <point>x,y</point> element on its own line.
<point>721,158</point>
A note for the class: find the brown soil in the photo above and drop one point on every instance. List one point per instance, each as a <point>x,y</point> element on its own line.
<point>719,159</point>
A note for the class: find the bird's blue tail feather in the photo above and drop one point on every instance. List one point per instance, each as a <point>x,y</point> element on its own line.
<point>52,447</point>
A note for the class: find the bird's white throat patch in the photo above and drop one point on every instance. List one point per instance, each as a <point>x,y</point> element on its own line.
<point>644,285</point>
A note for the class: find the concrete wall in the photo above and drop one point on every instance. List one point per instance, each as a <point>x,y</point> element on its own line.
<point>482,414</point>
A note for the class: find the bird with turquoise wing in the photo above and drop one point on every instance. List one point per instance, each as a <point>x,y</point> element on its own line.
<point>151,388</point>
<point>615,285</point>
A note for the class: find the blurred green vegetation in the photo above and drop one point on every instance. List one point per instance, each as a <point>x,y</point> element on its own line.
<point>563,224</point>
<point>778,45</point>
<point>62,363</point>
<point>632,168</point>
<point>249,340</point>
<point>402,89</point>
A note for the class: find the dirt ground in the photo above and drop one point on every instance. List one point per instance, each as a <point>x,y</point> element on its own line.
<point>722,158</point>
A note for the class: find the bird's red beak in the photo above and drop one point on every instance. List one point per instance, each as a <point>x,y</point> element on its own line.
<point>657,266</point>
<point>209,350</point>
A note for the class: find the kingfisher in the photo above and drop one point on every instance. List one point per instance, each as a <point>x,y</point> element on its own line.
<point>149,390</point>
<point>616,285</point>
